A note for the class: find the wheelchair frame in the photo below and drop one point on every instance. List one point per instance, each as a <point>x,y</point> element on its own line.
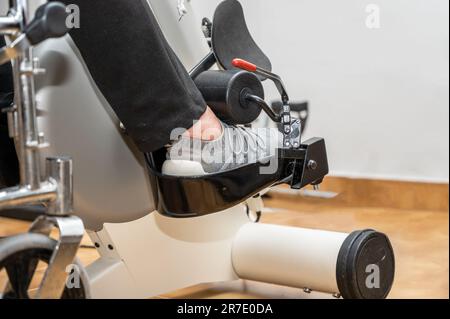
<point>55,190</point>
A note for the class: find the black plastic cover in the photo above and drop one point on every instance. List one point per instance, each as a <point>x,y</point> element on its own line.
<point>366,266</point>
<point>49,22</point>
<point>187,197</point>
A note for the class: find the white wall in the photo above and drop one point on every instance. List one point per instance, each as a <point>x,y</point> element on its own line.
<point>379,96</point>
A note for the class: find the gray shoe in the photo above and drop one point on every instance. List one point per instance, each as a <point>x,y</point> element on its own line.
<point>238,146</point>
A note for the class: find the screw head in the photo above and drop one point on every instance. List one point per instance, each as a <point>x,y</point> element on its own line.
<point>307,290</point>
<point>312,165</point>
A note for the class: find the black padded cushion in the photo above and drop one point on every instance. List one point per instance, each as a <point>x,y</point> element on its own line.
<point>231,38</point>
<point>136,70</point>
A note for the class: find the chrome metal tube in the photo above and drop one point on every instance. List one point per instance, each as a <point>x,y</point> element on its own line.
<point>27,139</point>
<point>9,25</point>
<point>17,196</point>
<point>30,134</point>
<point>19,10</point>
<point>59,170</point>
<point>12,124</point>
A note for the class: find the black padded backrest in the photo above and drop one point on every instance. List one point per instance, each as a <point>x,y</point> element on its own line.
<point>231,37</point>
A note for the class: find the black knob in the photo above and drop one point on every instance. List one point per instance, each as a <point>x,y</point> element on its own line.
<point>49,22</point>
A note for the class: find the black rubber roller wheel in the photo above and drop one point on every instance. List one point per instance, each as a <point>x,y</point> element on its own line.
<point>19,257</point>
<point>366,266</point>
<point>225,92</point>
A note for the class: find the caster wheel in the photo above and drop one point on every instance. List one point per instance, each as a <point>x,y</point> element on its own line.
<point>23,261</point>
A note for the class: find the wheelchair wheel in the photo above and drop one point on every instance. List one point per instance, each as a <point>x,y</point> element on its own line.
<point>23,260</point>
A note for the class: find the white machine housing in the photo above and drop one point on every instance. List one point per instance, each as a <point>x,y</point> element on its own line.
<point>144,254</point>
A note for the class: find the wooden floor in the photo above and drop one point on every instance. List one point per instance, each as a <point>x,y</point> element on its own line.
<point>420,239</point>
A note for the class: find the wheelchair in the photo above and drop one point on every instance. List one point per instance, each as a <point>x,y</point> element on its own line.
<point>161,225</point>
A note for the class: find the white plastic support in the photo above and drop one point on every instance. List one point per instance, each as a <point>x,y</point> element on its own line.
<point>288,256</point>
<point>156,255</point>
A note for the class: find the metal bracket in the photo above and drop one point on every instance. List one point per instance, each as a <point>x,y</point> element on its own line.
<point>295,134</point>
<point>314,167</point>
<point>71,232</point>
<point>308,164</point>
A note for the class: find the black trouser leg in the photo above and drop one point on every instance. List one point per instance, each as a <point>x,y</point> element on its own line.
<point>136,70</point>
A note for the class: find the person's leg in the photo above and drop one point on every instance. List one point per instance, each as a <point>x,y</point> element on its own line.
<point>151,92</point>
<point>207,128</point>
<point>136,70</point>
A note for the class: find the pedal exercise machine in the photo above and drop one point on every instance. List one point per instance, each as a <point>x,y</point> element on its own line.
<point>160,226</point>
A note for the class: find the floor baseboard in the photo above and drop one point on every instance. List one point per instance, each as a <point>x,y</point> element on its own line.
<point>377,193</point>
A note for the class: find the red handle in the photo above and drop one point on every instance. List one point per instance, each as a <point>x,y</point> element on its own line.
<point>244,65</point>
